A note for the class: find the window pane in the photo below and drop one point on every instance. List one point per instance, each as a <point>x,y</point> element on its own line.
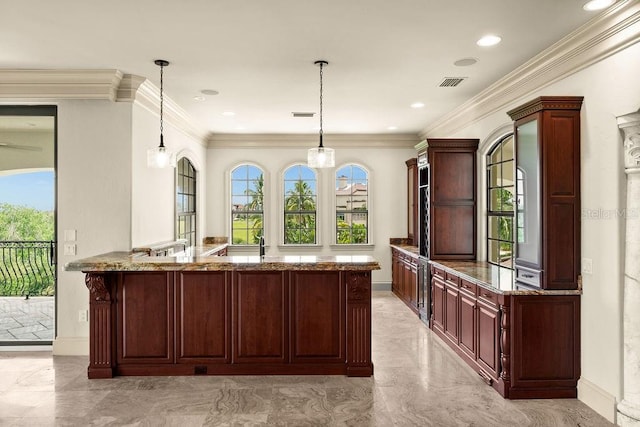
<point>495,175</point>
<point>507,173</point>
<point>500,198</point>
<point>300,188</point>
<point>351,194</point>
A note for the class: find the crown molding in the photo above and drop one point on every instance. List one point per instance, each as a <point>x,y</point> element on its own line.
<point>608,33</point>
<point>237,140</point>
<point>144,93</point>
<point>59,84</point>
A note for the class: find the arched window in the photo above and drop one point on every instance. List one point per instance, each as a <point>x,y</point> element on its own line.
<point>247,205</point>
<point>186,201</point>
<point>500,205</point>
<point>300,201</point>
<point>352,205</point>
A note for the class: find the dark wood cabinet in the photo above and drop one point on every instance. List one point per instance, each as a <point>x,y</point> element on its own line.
<point>451,311</point>
<point>488,335</point>
<point>453,200</point>
<point>468,323</point>
<point>526,346</point>
<point>258,322</point>
<point>145,318</point>
<point>260,319</point>
<point>203,307</point>
<point>318,316</point>
<point>404,275</point>
<point>547,141</point>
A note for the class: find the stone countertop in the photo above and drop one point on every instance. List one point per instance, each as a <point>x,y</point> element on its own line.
<point>128,261</point>
<point>409,249</point>
<point>486,275</point>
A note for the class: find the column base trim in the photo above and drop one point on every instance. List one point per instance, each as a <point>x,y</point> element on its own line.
<point>628,414</point>
<point>597,399</point>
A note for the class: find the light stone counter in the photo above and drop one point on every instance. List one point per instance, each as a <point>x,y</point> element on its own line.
<point>127,261</point>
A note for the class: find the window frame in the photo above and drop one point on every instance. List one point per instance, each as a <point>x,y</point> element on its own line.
<point>283,201</point>
<point>500,214</point>
<point>192,238</point>
<point>232,213</point>
<point>368,211</point>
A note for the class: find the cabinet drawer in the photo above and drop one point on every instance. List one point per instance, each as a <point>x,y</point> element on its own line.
<point>530,277</point>
<point>435,271</point>
<point>487,296</point>
<point>467,285</point>
<point>452,278</point>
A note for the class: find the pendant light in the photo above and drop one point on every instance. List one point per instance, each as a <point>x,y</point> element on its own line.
<point>321,157</point>
<point>159,157</point>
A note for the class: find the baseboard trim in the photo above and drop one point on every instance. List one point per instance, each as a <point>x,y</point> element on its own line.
<point>71,346</point>
<point>380,286</point>
<point>597,399</point>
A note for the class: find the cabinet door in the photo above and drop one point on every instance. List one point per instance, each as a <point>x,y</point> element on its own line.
<point>317,317</point>
<point>145,318</point>
<point>437,295</point>
<point>260,329</point>
<point>203,317</point>
<point>451,312</point>
<point>395,270</point>
<point>468,324</point>
<point>488,337</point>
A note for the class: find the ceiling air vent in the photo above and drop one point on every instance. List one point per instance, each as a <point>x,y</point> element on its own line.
<point>300,114</point>
<point>451,81</point>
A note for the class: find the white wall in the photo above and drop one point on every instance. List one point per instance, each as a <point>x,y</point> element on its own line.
<point>94,198</point>
<point>153,190</point>
<point>388,197</point>
<point>610,88</point>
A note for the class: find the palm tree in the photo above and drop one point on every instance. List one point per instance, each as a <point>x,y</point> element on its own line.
<point>256,206</point>
<point>300,222</point>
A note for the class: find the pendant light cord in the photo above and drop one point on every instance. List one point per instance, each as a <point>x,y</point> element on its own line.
<point>321,65</point>
<point>161,104</point>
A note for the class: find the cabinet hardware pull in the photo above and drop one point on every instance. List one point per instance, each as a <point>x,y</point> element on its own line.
<point>528,276</point>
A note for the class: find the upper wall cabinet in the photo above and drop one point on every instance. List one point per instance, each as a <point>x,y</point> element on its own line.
<point>547,135</point>
<point>412,200</point>
<point>452,218</point>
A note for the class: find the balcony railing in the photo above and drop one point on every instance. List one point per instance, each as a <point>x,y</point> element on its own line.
<point>27,268</point>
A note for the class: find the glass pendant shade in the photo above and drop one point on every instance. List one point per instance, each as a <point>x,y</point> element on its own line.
<point>159,157</point>
<point>321,157</point>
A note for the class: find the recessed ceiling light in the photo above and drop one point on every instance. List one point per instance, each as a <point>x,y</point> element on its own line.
<point>465,62</point>
<point>209,92</point>
<point>597,4</point>
<point>489,40</point>
<point>198,98</point>
<point>228,113</point>
<point>417,105</point>
<point>392,127</point>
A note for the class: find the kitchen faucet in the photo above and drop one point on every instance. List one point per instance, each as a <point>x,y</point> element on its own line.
<point>261,246</point>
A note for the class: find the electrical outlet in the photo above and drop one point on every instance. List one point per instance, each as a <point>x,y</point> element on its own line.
<point>69,249</point>
<point>83,315</point>
<point>587,266</point>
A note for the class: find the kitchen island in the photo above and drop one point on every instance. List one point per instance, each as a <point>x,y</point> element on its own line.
<point>228,315</point>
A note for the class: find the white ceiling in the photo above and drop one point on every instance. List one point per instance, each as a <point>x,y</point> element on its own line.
<point>383,55</point>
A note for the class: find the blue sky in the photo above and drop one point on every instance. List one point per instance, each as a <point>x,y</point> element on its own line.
<point>33,189</point>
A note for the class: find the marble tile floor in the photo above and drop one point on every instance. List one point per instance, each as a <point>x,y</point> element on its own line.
<point>417,382</point>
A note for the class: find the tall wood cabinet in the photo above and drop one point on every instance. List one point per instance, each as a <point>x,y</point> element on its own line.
<point>547,140</point>
<point>453,198</point>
